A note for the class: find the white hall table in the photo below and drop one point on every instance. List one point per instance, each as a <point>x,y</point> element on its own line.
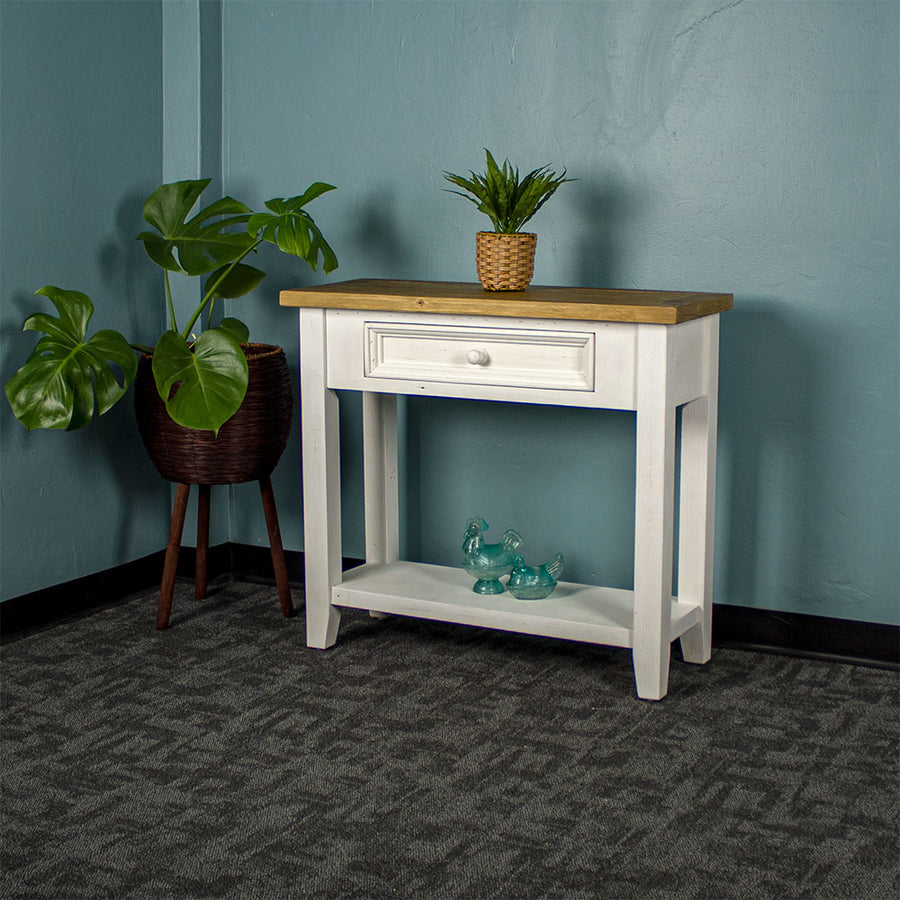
<point>646,351</point>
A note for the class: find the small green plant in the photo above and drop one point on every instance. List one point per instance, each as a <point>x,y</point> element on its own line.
<point>505,199</point>
<point>201,375</point>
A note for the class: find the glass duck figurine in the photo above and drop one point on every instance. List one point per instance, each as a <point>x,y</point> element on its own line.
<point>487,562</point>
<point>534,583</point>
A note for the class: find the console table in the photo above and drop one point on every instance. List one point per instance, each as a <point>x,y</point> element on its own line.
<point>646,351</point>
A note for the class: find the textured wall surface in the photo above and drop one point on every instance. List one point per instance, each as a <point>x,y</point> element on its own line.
<point>743,146</point>
<point>81,122</point>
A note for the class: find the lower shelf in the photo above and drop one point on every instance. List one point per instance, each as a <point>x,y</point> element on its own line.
<point>576,612</point>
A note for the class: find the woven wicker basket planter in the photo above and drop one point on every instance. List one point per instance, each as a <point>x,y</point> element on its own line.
<point>505,262</point>
<point>248,445</point>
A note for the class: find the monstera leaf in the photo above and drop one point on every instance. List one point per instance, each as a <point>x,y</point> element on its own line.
<point>230,282</point>
<point>202,245</point>
<point>67,381</point>
<point>209,376</point>
<point>293,230</point>
<point>236,328</point>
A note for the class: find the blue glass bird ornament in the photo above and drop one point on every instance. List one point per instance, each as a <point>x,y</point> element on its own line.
<point>488,562</point>
<point>534,582</point>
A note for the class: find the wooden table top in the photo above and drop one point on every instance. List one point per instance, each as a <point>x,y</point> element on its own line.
<point>536,302</point>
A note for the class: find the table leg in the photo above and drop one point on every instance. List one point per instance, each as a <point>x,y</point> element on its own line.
<point>697,505</point>
<point>380,472</point>
<point>654,514</point>
<point>321,483</point>
<point>380,454</point>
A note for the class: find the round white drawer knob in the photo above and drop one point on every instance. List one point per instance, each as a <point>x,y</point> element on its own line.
<point>477,356</point>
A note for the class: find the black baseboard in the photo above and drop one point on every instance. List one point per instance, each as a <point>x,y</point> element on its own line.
<point>62,602</point>
<point>768,631</point>
<point>862,643</point>
<point>52,605</point>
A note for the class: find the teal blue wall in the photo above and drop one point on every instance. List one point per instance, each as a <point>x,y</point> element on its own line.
<point>192,148</point>
<point>749,147</point>
<point>81,110</point>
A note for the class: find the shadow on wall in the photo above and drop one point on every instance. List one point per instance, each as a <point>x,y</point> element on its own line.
<point>110,448</point>
<point>377,238</point>
<point>130,277</point>
<point>131,282</point>
<point>603,212</point>
<point>763,529</point>
<point>563,477</point>
<point>468,457</point>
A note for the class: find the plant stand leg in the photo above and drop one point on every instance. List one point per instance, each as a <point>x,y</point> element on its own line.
<point>278,563</point>
<point>176,527</point>
<point>202,541</point>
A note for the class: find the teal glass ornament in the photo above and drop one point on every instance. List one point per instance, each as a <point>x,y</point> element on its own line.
<point>534,582</point>
<point>488,562</point>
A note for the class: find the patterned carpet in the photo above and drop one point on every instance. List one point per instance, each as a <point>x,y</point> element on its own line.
<point>222,758</point>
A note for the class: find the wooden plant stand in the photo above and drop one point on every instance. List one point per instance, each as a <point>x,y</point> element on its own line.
<point>176,529</point>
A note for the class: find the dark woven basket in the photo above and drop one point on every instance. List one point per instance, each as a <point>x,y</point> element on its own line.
<point>248,445</point>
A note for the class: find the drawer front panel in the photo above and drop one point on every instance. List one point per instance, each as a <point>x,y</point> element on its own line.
<point>558,360</point>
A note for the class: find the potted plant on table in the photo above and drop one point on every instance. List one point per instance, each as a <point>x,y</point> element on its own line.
<point>505,256</point>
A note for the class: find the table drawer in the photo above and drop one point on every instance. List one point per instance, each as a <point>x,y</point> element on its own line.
<point>556,360</point>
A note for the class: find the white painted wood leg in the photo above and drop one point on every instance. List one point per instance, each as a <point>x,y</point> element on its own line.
<point>654,515</point>
<point>697,505</point>
<point>380,474</point>
<point>321,483</point>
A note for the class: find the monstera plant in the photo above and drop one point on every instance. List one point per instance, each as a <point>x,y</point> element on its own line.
<point>200,374</point>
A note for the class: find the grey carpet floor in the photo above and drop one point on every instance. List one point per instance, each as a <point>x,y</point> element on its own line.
<point>223,758</point>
